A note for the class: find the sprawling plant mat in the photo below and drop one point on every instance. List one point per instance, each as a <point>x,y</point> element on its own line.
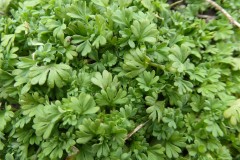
<point>119,80</point>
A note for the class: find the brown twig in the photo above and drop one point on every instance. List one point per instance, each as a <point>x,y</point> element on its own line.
<point>135,130</point>
<point>206,16</point>
<point>229,17</point>
<point>175,3</point>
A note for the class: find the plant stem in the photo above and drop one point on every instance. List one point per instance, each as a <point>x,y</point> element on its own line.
<point>206,16</point>
<point>175,3</point>
<point>157,65</point>
<point>229,17</point>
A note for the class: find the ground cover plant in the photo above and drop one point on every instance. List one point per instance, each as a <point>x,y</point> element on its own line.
<point>119,80</point>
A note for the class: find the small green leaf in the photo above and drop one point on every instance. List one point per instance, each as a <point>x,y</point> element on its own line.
<point>156,108</point>
<point>102,3</point>
<point>111,97</point>
<point>58,32</point>
<point>9,156</point>
<point>183,86</point>
<point>5,116</point>
<point>156,152</point>
<point>147,80</point>
<point>233,112</point>
<point>135,63</point>
<point>84,48</point>
<point>144,31</point>
<point>99,41</point>
<point>105,80</point>
<point>57,74</point>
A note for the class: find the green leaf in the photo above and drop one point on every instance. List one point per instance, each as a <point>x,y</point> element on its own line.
<point>156,152</point>
<point>198,74</point>
<point>31,3</point>
<point>183,86</point>
<point>56,74</point>
<point>108,59</point>
<point>156,108</point>
<point>147,4</point>
<point>102,149</point>
<point>70,54</point>
<point>233,112</point>
<point>179,58</point>
<point>111,97</point>
<point>21,74</point>
<point>173,145</point>
<point>2,145</point>
<point>52,24</point>
<point>31,103</point>
<point>102,3</point>
<point>79,11</point>
<point>147,80</point>
<point>52,150</point>
<point>9,156</point>
<point>99,41</point>
<point>3,6</point>
<point>135,63</point>
<point>214,128</point>
<point>224,31</point>
<point>83,104</point>
<point>119,80</point>
<point>172,151</point>
<point>123,16</point>
<point>6,78</point>
<point>198,103</point>
<point>84,138</point>
<point>22,27</point>
<point>86,153</point>
<point>84,48</point>
<point>45,120</point>
<point>209,90</point>
<point>105,80</point>
<point>7,41</point>
<point>87,130</point>
<point>5,116</point>
<point>58,32</point>
<point>224,153</point>
<point>144,31</point>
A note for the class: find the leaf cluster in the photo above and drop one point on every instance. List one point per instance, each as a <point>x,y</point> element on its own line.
<point>118,80</point>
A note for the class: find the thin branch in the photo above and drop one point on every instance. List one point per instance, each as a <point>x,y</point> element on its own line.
<point>135,130</point>
<point>206,16</point>
<point>229,17</point>
<point>162,67</point>
<point>175,3</point>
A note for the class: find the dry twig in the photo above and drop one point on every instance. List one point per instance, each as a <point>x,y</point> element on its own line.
<point>206,16</point>
<point>136,129</point>
<point>175,3</point>
<point>229,17</point>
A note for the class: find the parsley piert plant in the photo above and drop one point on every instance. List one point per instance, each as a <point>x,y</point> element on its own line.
<point>119,80</point>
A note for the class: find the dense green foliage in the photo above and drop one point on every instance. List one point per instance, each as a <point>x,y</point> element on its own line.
<point>118,80</point>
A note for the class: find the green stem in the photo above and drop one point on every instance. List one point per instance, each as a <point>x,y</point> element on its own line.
<point>162,67</point>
